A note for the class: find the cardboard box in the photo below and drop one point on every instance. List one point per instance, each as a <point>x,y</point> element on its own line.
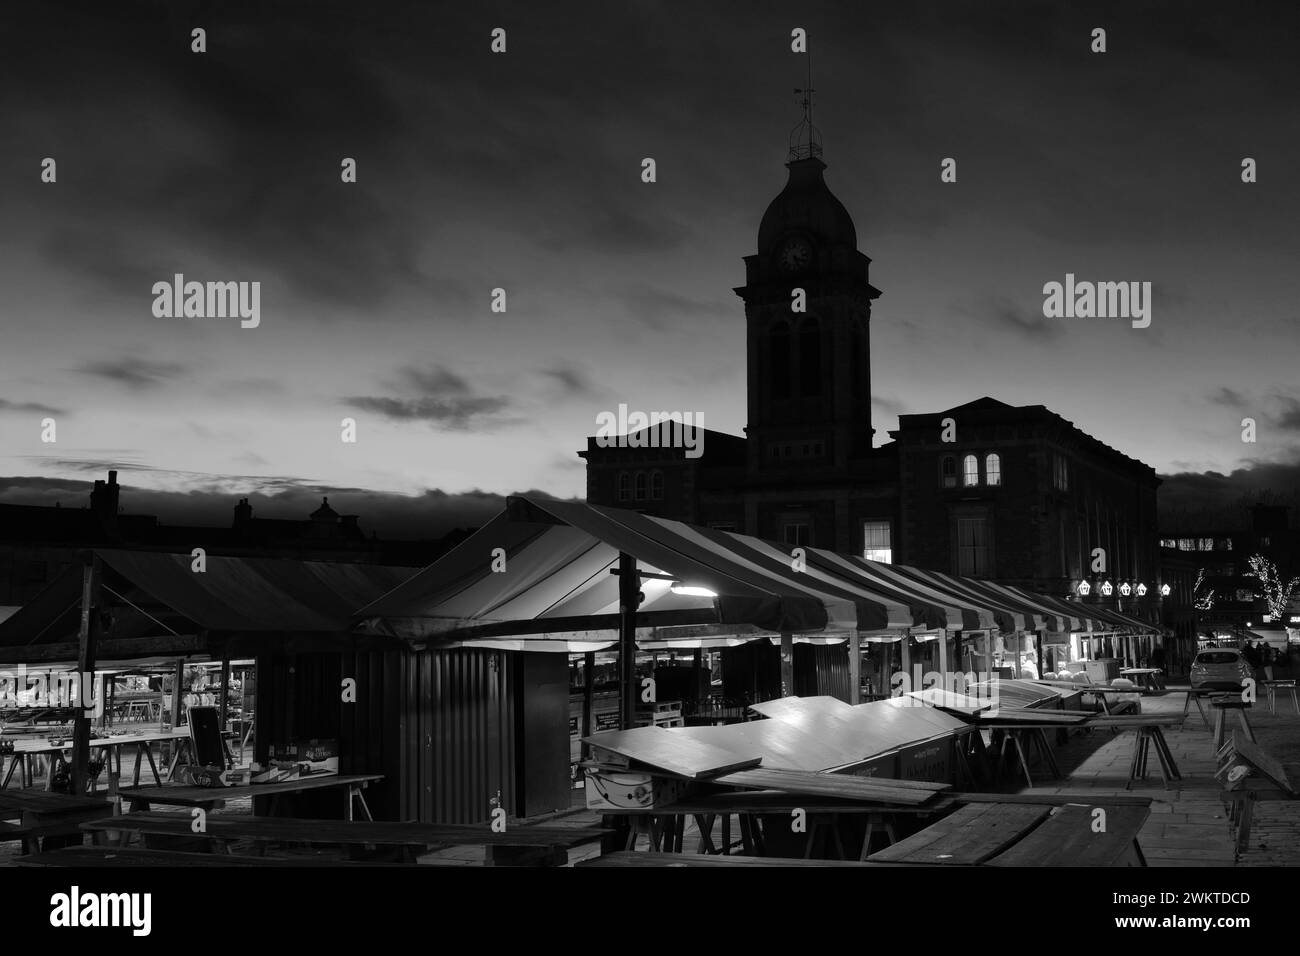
<point>317,757</point>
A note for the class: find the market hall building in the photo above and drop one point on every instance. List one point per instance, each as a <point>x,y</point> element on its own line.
<point>1018,495</point>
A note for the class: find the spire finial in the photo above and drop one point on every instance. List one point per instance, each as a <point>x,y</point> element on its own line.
<point>805,139</point>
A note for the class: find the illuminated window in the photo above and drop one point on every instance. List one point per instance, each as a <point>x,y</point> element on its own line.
<point>970,471</point>
<point>624,486</point>
<point>876,542</point>
<point>993,469</point>
<point>639,486</point>
<point>657,485</point>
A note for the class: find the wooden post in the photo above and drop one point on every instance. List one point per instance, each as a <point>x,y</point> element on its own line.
<point>787,664</point>
<point>629,585</point>
<point>943,656</point>
<point>855,667</point>
<point>85,673</point>
<point>177,680</point>
<point>905,661</point>
<point>1042,661</point>
<point>589,672</point>
<point>225,682</point>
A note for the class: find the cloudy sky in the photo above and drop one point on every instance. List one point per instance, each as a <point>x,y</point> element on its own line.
<point>522,171</point>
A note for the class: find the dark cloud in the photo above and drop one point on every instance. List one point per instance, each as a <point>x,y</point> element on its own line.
<point>1188,497</point>
<point>34,407</point>
<point>438,396</point>
<point>573,382</point>
<point>660,309</point>
<point>1228,397</point>
<point>135,373</point>
<point>1005,315</point>
<point>1288,419</point>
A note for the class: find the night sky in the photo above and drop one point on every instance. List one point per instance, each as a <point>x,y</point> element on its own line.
<point>522,171</point>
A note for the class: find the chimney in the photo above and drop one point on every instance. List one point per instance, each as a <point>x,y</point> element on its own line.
<point>104,499</point>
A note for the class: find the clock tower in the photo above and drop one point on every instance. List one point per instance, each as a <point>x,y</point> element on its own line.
<point>807,317</point>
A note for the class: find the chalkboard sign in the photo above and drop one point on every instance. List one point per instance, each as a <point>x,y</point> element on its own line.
<point>205,735</point>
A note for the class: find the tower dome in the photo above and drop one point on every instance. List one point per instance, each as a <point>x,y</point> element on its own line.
<point>806,204</point>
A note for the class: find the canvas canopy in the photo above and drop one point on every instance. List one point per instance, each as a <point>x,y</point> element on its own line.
<point>156,604</point>
<point>541,570</point>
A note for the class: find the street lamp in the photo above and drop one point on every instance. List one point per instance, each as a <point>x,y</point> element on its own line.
<point>1084,588</point>
<point>1106,588</point>
<point>1125,589</point>
<point>1142,590</point>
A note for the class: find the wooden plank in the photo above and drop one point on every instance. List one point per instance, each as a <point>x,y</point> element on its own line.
<point>14,802</point>
<point>114,857</point>
<point>1048,799</point>
<point>968,837</point>
<point>677,753</point>
<point>1265,763</point>
<point>347,833</point>
<point>170,795</point>
<point>1067,838</point>
<point>784,707</point>
<point>960,704</point>
<point>839,786</point>
<point>780,802</point>
<point>625,858</point>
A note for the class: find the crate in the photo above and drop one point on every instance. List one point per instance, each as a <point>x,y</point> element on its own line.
<point>621,790</point>
<point>667,713</point>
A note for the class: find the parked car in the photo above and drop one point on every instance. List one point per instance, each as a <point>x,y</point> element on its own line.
<point>1220,668</point>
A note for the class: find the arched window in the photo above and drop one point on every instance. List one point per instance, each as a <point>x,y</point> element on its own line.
<point>657,485</point>
<point>970,471</point>
<point>993,469</point>
<point>948,472</point>
<point>624,486</point>
<point>778,359</point>
<point>639,486</point>
<point>810,357</point>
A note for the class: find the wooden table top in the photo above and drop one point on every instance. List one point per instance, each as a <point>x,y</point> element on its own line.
<point>778,801</point>
<point>630,858</point>
<point>182,796</point>
<point>107,857</point>
<point>974,833</point>
<point>837,785</point>
<point>345,833</point>
<point>41,801</point>
<point>1066,838</point>
<point>38,746</point>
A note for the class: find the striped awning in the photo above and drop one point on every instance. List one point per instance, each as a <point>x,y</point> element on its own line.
<point>541,570</point>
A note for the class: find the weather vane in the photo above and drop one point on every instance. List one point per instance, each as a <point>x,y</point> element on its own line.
<point>805,139</point>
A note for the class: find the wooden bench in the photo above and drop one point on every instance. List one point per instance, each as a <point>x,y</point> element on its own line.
<point>973,834</point>
<point>1248,774</point>
<point>115,857</point>
<point>630,858</point>
<point>1068,838</point>
<point>1221,708</point>
<point>1271,687</point>
<point>527,845</point>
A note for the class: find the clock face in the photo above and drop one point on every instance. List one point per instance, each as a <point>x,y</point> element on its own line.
<point>795,254</point>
